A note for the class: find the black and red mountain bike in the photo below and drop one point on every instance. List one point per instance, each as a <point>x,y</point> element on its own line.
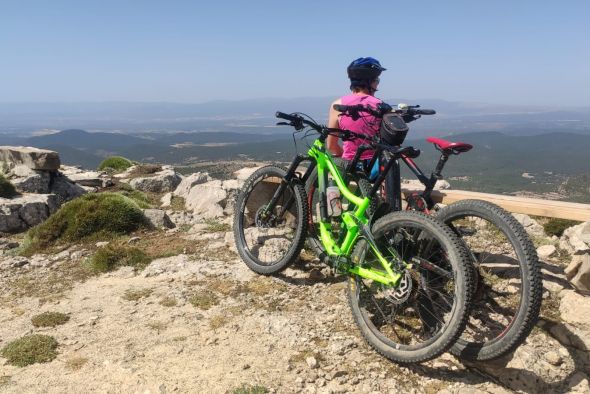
<point>508,293</point>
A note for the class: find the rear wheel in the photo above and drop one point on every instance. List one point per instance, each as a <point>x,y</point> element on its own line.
<point>426,313</point>
<point>268,239</point>
<point>508,288</point>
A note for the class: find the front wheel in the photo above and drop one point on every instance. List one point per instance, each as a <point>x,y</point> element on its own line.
<point>269,221</point>
<point>508,289</point>
<point>422,317</point>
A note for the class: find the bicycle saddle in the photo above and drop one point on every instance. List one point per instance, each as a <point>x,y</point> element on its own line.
<point>449,146</point>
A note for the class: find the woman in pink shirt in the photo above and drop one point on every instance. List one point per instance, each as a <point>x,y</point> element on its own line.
<point>364,78</point>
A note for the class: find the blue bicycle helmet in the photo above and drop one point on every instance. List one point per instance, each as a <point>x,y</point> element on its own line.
<point>364,69</point>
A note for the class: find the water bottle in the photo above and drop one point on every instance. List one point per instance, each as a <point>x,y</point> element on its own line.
<point>334,202</point>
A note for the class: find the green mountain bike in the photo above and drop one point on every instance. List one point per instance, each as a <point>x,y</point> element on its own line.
<point>410,282</point>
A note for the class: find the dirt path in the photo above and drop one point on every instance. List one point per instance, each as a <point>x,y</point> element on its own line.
<point>193,324</point>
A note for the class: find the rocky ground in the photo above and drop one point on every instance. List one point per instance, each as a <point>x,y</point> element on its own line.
<point>197,320</point>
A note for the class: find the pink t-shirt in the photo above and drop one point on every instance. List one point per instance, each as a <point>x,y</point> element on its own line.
<point>367,124</point>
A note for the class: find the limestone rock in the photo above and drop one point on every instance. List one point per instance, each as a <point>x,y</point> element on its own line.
<point>168,265</point>
<point>166,200</point>
<point>188,182</point>
<point>33,158</point>
<point>162,182</point>
<point>20,213</point>
<point>574,308</point>
<point>576,239</point>
<point>207,199</point>
<point>578,272</point>
<point>90,179</point>
<point>33,182</point>
<point>65,189</point>
<point>530,225</point>
<point>546,251</point>
<point>158,218</point>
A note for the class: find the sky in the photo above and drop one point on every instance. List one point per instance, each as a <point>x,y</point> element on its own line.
<point>512,52</point>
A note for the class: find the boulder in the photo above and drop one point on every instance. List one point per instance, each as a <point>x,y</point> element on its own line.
<point>90,179</point>
<point>34,182</point>
<point>188,182</point>
<point>576,239</point>
<point>158,218</point>
<point>530,225</point>
<point>578,273</point>
<point>162,182</point>
<point>19,214</point>
<point>33,158</point>
<point>574,308</point>
<point>207,199</point>
<point>65,189</point>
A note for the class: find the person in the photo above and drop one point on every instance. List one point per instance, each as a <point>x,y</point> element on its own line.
<point>364,75</point>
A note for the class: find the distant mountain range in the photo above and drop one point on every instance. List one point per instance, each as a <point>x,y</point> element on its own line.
<point>255,116</point>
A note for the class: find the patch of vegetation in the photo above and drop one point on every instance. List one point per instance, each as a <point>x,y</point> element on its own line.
<point>50,319</point>
<point>204,299</point>
<point>550,308</point>
<point>558,226</point>
<point>218,321</point>
<point>214,226</point>
<point>249,389</point>
<point>140,198</point>
<point>7,189</point>
<point>111,257</point>
<point>137,294</point>
<point>157,326</point>
<point>92,216</point>
<point>116,163</point>
<point>177,203</point>
<point>30,349</point>
<point>75,363</point>
<point>168,302</point>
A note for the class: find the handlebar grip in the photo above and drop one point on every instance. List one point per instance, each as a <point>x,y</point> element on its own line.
<point>340,107</point>
<point>424,112</point>
<point>285,116</point>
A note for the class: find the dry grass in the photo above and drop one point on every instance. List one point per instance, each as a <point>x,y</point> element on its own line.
<point>203,299</point>
<point>137,294</point>
<point>168,302</point>
<point>50,319</point>
<point>218,321</point>
<point>156,326</point>
<point>215,226</point>
<point>76,363</point>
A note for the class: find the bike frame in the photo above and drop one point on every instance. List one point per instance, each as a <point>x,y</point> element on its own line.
<point>355,222</point>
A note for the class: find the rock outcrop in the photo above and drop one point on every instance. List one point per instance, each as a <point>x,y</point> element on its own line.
<point>161,182</point>
<point>33,158</point>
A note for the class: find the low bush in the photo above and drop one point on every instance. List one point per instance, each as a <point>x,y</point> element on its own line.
<point>49,319</point>
<point>7,189</point>
<point>92,216</point>
<point>558,226</point>
<point>116,163</point>
<point>111,257</point>
<point>30,349</point>
<point>146,169</point>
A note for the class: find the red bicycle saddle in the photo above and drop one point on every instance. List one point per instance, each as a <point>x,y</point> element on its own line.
<point>449,146</point>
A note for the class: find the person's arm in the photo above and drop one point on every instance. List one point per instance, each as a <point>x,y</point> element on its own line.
<point>332,141</point>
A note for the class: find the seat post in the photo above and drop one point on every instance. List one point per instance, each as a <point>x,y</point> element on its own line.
<point>439,167</point>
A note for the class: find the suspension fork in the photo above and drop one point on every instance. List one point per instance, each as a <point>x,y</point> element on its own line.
<point>289,178</point>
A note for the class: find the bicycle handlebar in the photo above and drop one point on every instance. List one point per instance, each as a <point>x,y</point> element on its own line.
<point>382,109</point>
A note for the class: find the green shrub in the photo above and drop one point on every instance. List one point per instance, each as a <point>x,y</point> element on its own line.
<point>7,189</point>
<point>49,319</point>
<point>111,257</point>
<point>248,389</point>
<point>146,169</point>
<point>116,163</point>
<point>30,349</point>
<point>92,216</point>
<point>558,226</point>
<point>138,196</point>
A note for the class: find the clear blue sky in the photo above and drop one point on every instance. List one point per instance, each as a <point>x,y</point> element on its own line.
<point>520,52</point>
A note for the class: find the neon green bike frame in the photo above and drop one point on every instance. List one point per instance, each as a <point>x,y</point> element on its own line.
<point>351,221</point>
